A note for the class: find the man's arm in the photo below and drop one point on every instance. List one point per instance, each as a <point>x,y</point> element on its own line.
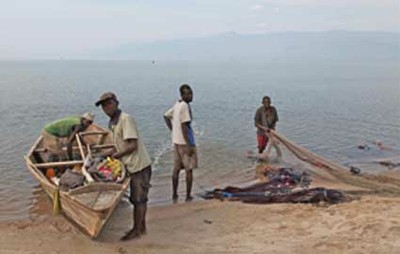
<point>257,118</point>
<point>185,132</point>
<point>71,139</point>
<point>131,146</point>
<point>257,122</point>
<point>275,117</point>
<point>167,118</point>
<point>186,118</point>
<point>168,122</point>
<point>130,137</point>
<point>262,127</point>
<point>109,152</point>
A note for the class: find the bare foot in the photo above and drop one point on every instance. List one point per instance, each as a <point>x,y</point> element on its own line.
<point>175,199</point>
<point>132,234</point>
<point>188,199</point>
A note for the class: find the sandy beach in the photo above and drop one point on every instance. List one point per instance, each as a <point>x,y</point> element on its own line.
<point>367,222</point>
<point>370,224</point>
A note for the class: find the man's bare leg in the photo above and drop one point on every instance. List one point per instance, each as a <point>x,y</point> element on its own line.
<point>278,150</point>
<point>189,183</point>
<point>139,214</point>
<point>175,181</point>
<point>144,228</point>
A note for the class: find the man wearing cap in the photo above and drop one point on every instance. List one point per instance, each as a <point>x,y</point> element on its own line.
<point>133,154</point>
<point>62,133</point>
<point>178,120</point>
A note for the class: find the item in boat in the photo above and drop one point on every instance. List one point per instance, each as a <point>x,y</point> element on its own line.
<point>70,180</point>
<point>50,172</point>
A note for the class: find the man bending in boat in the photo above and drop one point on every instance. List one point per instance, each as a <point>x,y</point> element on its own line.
<point>265,119</point>
<point>62,133</point>
<point>133,154</point>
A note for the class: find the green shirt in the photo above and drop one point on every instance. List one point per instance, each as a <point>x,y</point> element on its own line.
<point>63,127</point>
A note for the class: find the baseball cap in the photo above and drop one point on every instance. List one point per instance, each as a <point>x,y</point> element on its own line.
<point>88,116</point>
<point>104,97</point>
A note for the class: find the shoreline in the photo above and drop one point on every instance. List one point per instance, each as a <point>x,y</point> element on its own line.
<point>370,224</point>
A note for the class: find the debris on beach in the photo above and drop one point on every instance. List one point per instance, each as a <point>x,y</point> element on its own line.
<point>355,170</point>
<point>389,164</point>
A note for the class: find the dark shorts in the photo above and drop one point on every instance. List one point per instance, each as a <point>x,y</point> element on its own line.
<point>140,185</point>
<point>262,141</point>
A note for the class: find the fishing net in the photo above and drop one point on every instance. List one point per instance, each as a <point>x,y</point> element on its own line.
<point>291,173</point>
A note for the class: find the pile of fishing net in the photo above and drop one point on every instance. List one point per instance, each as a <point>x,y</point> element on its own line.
<point>297,175</point>
<point>285,186</point>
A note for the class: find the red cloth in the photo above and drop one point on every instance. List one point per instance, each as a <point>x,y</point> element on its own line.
<point>262,141</point>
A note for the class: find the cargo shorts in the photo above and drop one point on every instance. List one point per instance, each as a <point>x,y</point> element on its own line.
<point>182,160</point>
<point>140,185</point>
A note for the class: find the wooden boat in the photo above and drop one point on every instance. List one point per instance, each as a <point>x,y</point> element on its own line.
<point>88,206</point>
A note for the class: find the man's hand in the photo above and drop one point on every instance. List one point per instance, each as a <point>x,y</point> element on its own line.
<point>108,153</point>
<point>115,156</point>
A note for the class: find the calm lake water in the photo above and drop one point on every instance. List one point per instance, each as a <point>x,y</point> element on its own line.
<point>328,108</point>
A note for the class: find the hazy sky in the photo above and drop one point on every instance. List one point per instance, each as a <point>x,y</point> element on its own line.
<point>44,28</point>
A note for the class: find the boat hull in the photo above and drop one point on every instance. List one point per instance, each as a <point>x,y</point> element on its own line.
<point>88,207</point>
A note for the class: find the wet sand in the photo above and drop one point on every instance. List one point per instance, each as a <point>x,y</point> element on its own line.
<point>370,224</point>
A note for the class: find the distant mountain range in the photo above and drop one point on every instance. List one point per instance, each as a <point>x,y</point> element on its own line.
<point>281,47</point>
